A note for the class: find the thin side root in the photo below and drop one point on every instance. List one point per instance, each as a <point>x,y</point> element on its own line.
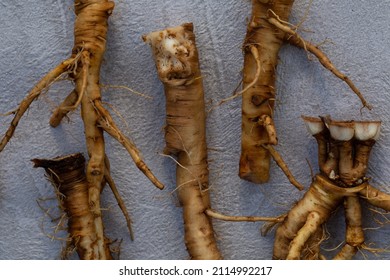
<point>280,162</point>
<point>256,56</point>
<point>219,216</point>
<point>119,200</point>
<point>298,41</point>
<point>60,112</point>
<point>73,100</point>
<point>107,124</point>
<point>312,223</point>
<point>32,95</point>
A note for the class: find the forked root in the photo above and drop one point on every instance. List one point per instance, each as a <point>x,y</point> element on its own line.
<point>344,148</point>
<point>90,30</point>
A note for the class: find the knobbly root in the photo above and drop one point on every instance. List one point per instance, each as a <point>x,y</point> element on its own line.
<point>267,30</point>
<point>176,59</point>
<point>90,33</point>
<point>67,174</point>
<point>344,149</point>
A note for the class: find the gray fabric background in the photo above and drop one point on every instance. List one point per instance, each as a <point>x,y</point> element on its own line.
<point>37,35</point>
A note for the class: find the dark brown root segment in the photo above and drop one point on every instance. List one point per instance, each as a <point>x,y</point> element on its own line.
<point>354,236</point>
<point>323,197</point>
<point>67,174</point>
<point>354,156</point>
<point>258,99</point>
<point>177,64</point>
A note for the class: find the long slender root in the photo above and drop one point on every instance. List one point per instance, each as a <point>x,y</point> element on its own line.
<point>280,162</point>
<point>121,204</point>
<point>59,70</point>
<point>213,214</point>
<point>107,124</point>
<point>293,38</point>
<point>90,32</point>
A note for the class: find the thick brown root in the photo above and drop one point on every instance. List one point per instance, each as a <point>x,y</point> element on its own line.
<point>261,48</point>
<point>90,33</point>
<point>176,58</point>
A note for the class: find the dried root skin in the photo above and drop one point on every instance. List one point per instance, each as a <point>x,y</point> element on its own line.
<point>67,174</point>
<point>177,64</point>
<point>258,99</point>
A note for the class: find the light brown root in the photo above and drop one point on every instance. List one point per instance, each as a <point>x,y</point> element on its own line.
<point>107,124</point>
<point>60,69</point>
<point>213,214</point>
<point>177,62</point>
<point>61,112</point>
<point>376,197</point>
<point>267,122</point>
<point>354,233</point>
<point>293,38</point>
<point>280,162</point>
<point>311,225</point>
<point>119,200</point>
